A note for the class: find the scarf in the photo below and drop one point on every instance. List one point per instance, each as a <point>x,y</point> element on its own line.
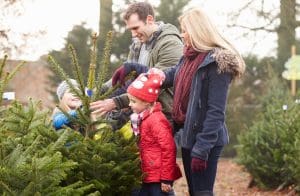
<point>136,120</point>
<point>183,81</point>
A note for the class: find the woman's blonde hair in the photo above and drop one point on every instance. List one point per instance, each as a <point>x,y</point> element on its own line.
<point>203,34</point>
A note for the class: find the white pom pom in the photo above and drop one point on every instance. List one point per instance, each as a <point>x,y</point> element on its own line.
<point>138,84</point>
<point>144,78</point>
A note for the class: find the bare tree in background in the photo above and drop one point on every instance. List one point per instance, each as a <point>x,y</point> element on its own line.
<point>278,18</point>
<point>12,42</point>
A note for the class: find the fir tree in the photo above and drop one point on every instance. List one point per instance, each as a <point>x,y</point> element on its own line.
<point>35,159</point>
<point>31,158</point>
<point>270,148</point>
<point>31,155</point>
<point>110,162</point>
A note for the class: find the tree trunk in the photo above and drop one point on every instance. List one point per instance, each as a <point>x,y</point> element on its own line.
<point>286,31</point>
<point>105,23</point>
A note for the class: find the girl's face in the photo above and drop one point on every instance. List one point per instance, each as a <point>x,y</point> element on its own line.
<point>70,100</point>
<point>185,36</point>
<point>137,105</point>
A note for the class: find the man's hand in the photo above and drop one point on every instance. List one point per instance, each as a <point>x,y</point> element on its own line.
<point>100,108</point>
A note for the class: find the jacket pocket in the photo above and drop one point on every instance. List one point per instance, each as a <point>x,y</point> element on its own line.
<point>152,161</point>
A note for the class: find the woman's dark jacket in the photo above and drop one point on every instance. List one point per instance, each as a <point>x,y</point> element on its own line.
<point>204,126</point>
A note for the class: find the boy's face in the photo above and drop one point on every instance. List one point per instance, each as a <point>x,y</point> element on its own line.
<point>137,105</point>
<point>70,100</point>
<point>140,29</point>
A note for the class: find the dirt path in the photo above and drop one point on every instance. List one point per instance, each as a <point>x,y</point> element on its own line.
<point>231,180</point>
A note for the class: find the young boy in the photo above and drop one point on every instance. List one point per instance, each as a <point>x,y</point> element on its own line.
<point>67,102</point>
<point>156,144</point>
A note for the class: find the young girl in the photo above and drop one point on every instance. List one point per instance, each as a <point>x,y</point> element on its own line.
<point>156,144</point>
<point>67,102</point>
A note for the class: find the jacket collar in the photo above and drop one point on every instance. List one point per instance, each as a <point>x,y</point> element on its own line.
<point>227,61</point>
<point>156,108</point>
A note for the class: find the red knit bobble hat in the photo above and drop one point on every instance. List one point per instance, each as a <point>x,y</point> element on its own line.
<point>146,87</point>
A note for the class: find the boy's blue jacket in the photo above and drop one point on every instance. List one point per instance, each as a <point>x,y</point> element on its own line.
<point>60,119</point>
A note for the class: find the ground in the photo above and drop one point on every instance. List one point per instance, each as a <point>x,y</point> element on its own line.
<point>231,180</point>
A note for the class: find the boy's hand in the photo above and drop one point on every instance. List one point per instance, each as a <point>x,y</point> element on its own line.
<point>166,187</point>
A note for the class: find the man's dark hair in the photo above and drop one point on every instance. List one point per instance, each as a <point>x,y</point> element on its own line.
<point>142,9</point>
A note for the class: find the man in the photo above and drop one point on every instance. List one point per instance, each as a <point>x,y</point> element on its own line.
<point>155,44</point>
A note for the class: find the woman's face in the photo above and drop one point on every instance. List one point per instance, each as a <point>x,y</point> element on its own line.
<point>185,36</point>
<point>71,100</point>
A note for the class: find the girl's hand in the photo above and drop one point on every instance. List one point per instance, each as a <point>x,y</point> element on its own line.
<point>166,187</point>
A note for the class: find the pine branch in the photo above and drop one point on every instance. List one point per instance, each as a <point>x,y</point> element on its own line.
<point>8,76</point>
<point>15,70</point>
<point>103,68</point>
<point>57,68</point>
<point>3,64</point>
<point>92,68</point>
<point>77,72</point>
<point>60,142</point>
<point>6,188</point>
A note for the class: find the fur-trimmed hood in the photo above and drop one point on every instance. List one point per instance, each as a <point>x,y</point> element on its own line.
<point>227,61</point>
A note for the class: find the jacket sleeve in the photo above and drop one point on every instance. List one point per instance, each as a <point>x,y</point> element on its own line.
<point>162,132</point>
<point>170,74</point>
<point>139,68</point>
<point>218,84</point>
<point>121,101</point>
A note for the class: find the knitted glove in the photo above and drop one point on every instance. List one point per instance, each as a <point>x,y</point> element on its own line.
<point>198,165</point>
<point>119,76</point>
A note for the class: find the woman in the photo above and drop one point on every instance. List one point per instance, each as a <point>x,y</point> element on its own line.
<point>201,81</point>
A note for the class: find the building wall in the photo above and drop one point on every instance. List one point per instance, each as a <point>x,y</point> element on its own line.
<point>32,80</point>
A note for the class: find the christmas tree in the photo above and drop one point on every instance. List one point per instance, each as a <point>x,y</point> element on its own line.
<point>35,159</point>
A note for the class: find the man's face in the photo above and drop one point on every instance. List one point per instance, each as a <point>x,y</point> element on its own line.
<point>139,29</point>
